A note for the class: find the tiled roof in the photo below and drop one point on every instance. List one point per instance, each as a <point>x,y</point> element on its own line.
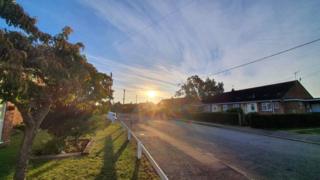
<point>268,92</point>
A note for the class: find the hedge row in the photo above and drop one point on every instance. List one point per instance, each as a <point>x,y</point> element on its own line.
<point>276,121</point>
<point>221,118</point>
<point>273,121</point>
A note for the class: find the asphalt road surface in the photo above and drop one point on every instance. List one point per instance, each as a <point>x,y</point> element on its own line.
<point>190,151</point>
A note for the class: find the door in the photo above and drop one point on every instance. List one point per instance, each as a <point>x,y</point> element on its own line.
<point>2,112</point>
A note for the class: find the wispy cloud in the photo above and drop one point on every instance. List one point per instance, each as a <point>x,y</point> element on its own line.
<point>205,37</point>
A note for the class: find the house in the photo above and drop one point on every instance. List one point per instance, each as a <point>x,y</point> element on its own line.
<point>286,97</point>
<point>9,117</point>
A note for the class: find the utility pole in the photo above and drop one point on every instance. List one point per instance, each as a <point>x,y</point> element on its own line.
<point>124,96</point>
<point>136,99</point>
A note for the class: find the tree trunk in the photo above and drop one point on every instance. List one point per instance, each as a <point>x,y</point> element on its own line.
<point>25,152</point>
<point>32,125</point>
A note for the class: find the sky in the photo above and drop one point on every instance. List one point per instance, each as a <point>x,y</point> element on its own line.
<point>157,44</point>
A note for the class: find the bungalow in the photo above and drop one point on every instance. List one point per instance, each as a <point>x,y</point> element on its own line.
<point>9,117</point>
<point>286,97</point>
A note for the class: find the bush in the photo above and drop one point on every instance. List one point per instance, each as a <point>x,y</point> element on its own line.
<point>221,118</point>
<point>45,143</point>
<point>235,110</point>
<point>54,146</point>
<point>276,121</point>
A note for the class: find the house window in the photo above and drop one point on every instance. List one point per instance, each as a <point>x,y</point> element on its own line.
<point>266,106</point>
<point>236,105</point>
<point>214,108</point>
<point>225,107</point>
<point>252,107</point>
<point>277,105</point>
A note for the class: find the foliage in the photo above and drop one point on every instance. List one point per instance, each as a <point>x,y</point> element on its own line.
<point>38,71</point>
<point>52,146</point>
<point>307,131</point>
<point>197,88</point>
<point>219,117</point>
<point>123,108</point>
<point>276,121</point>
<point>62,118</point>
<point>235,110</point>
<point>43,137</point>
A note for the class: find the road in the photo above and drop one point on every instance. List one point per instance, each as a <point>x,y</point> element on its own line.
<point>190,151</point>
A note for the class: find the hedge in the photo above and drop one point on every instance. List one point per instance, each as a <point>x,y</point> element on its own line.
<point>221,118</point>
<point>276,121</point>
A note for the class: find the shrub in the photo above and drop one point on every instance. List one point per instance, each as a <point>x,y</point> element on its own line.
<point>20,127</point>
<point>221,117</point>
<point>54,146</point>
<point>45,143</point>
<point>275,121</point>
<point>235,110</point>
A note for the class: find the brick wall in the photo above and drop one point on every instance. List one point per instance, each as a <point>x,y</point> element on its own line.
<point>12,118</point>
<point>295,107</point>
<point>298,92</point>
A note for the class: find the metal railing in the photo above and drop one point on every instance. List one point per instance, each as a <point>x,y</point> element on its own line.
<point>142,149</point>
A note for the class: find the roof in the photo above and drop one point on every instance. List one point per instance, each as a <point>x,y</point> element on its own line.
<point>267,92</point>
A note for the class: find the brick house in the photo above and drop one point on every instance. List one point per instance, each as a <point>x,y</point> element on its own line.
<point>9,117</point>
<point>286,97</point>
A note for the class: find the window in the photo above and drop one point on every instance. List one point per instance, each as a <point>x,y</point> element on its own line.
<point>266,106</point>
<point>236,105</point>
<point>276,105</point>
<point>252,107</point>
<point>214,108</point>
<point>225,107</point>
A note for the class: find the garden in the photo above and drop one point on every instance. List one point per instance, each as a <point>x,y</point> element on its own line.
<point>111,156</point>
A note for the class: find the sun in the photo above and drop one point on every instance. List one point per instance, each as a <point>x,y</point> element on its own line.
<point>151,94</point>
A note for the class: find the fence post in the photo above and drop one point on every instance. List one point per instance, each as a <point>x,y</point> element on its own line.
<point>139,150</point>
<point>129,134</point>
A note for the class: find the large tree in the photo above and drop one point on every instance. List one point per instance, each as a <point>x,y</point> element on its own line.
<point>38,70</point>
<point>197,88</point>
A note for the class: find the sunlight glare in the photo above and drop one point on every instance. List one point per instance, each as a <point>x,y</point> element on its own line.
<point>151,94</point>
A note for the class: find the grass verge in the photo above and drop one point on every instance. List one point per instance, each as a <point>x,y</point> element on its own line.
<point>307,131</point>
<point>111,157</point>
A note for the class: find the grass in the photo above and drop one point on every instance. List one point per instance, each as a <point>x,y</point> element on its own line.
<point>111,157</point>
<point>307,131</point>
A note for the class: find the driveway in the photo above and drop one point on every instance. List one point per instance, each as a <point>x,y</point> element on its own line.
<point>190,151</point>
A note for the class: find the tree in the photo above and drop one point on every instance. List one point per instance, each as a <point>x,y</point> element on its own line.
<point>197,88</point>
<point>38,70</point>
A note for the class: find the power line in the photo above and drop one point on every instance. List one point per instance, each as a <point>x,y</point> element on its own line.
<point>267,57</point>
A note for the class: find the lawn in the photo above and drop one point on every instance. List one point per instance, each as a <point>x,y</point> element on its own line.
<point>111,157</point>
<point>307,131</point>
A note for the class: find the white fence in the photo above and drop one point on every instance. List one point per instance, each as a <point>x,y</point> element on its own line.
<point>142,149</point>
